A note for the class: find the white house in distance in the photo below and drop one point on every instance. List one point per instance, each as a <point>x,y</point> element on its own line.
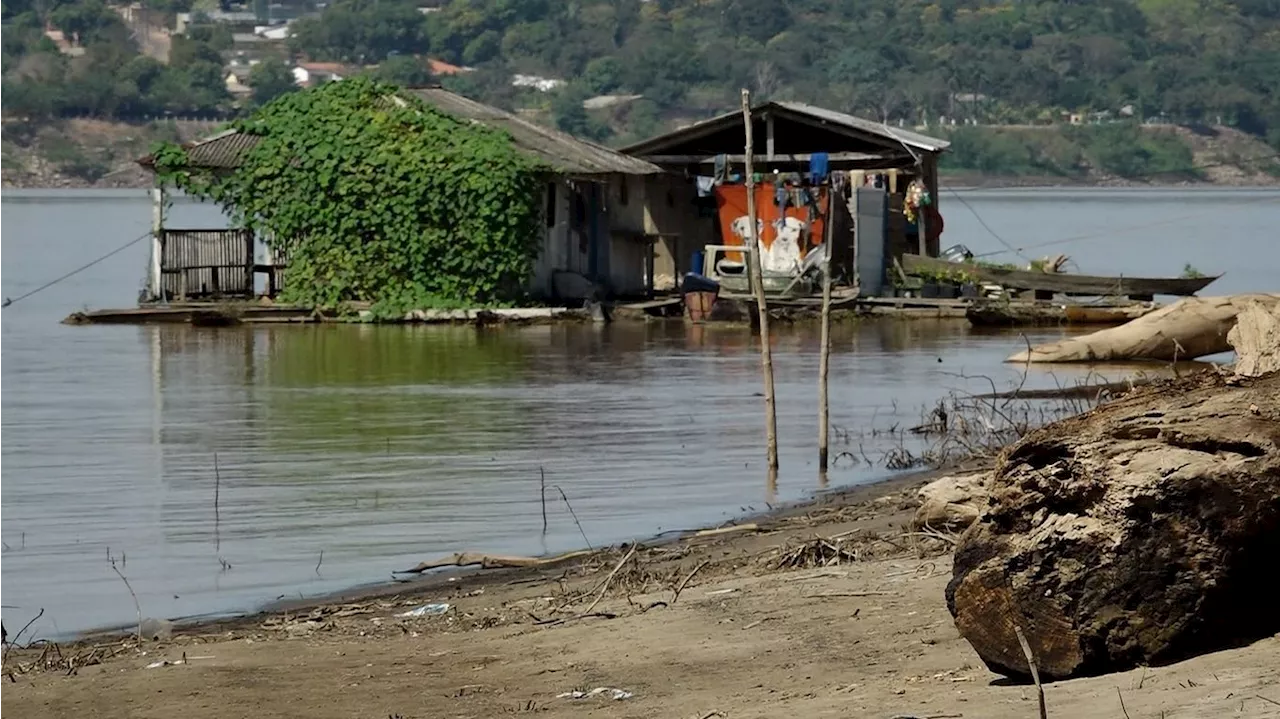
<point>310,74</point>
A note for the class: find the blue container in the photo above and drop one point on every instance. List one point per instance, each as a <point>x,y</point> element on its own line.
<point>696,263</point>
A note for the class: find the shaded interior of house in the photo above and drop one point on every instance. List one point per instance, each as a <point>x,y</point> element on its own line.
<point>647,220</point>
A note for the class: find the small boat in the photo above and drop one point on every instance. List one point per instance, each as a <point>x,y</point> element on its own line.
<point>1062,282</point>
<point>699,294</point>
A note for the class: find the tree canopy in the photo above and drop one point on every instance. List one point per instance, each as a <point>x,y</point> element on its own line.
<point>996,62</point>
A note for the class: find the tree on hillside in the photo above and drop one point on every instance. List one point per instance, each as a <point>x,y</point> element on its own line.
<point>361,31</point>
<point>405,71</point>
<point>270,79</point>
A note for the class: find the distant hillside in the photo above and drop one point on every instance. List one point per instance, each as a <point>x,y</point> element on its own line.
<point>988,61</point>
<point>87,153</point>
<point>98,153</point>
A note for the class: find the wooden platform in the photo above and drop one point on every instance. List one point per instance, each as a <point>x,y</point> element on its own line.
<point>212,313</point>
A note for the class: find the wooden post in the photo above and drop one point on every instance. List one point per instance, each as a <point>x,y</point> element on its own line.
<point>157,243</point>
<point>922,223</point>
<point>768,136</point>
<point>824,356</point>
<point>757,286</point>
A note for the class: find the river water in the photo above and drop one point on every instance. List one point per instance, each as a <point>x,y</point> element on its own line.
<point>221,468</point>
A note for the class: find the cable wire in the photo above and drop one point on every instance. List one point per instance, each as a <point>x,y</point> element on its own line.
<point>76,271</point>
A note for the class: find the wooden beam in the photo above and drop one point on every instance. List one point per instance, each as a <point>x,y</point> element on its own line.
<point>768,132</point>
<point>802,157</point>
<point>157,241</point>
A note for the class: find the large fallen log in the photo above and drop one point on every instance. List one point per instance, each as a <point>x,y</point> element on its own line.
<point>1189,328</point>
<point>1141,532</point>
<point>1256,339</point>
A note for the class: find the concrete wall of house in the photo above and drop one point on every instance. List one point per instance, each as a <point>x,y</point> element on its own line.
<point>629,249</point>
<point>669,211</point>
<point>562,267</point>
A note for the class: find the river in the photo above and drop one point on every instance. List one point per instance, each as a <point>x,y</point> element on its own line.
<point>221,468</point>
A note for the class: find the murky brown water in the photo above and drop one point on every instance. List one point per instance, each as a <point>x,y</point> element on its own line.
<point>382,446</point>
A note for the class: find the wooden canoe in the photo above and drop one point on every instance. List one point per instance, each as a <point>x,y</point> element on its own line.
<point>1062,282</point>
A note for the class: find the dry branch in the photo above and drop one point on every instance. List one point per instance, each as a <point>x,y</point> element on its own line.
<point>494,561</point>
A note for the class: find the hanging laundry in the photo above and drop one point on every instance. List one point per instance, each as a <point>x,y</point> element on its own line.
<point>705,185</point>
<point>819,164</point>
<point>781,197</point>
<point>721,168</point>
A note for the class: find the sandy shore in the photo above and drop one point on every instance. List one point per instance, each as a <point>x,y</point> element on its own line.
<point>831,608</point>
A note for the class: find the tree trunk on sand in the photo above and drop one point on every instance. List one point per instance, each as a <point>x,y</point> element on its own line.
<point>1187,329</point>
<point>1256,339</point>
<point>1144,531</point>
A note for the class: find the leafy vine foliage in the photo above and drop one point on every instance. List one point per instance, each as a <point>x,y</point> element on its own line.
<point>375,195</point>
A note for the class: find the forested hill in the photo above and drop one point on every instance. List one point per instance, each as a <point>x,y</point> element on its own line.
<point>992,61</point>
<point>1005,67</point>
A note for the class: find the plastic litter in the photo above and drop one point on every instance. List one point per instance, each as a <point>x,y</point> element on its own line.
<point>614,694</point>
<point>426,610</point>
<point>156,630</point>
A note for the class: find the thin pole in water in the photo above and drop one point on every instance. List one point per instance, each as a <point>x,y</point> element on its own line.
<point>757,286</point>
<point>824,357</point>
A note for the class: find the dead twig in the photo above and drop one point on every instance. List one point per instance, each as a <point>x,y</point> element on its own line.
<point>18,637</point>
<point>727,530</point>
<point>1035,673</point>
<point>604,587</point>
<point>828,595</point>
<point>585,615</point>
<point>136,605</point>
<point>680,587</point>
<point>493,561</point>
<point>1122,707</point>
<point>1265,699</point>
<point>574,515</point>
<point>542,474</point>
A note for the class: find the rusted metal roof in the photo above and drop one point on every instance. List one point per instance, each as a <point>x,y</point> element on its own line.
<point>914,139</point>
<point>560,151</point>
<point>877,132</point>
<point>223,151</point>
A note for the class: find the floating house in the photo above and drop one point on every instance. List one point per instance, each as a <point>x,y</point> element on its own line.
<point>596,242</point>
<point>869,189</point>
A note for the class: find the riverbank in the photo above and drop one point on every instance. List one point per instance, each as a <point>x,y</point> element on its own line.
<point>826,608</point>
<point>100,154</point>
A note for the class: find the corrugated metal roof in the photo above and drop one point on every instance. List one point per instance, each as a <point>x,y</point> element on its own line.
<point>656,145</point>
<point>562,152</point>
<point>223,151</point>
<point>914,139</point>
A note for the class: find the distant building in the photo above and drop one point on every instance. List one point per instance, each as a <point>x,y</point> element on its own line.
<point>440,68</point>
<point>65,45</point>
<point>541,84</point>
<point>310,74</point>
<point>601,102</point>
<point>237,80</point>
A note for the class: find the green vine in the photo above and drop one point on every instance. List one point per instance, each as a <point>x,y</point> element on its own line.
<point>376,196</point>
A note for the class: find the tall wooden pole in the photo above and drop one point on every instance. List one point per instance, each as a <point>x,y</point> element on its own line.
<point>157,242</point>
<point>757,286</point>
<point>824,356</point>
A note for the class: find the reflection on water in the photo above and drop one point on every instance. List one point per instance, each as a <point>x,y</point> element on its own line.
<point>382,445</point>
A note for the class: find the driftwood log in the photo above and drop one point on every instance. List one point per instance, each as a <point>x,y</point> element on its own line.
<point>493,561</point>
<point>1256,339</point>
<point>1189,328</point>
<point>1142,532</point>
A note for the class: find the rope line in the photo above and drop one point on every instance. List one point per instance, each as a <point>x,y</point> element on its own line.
<point>76,271</point>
